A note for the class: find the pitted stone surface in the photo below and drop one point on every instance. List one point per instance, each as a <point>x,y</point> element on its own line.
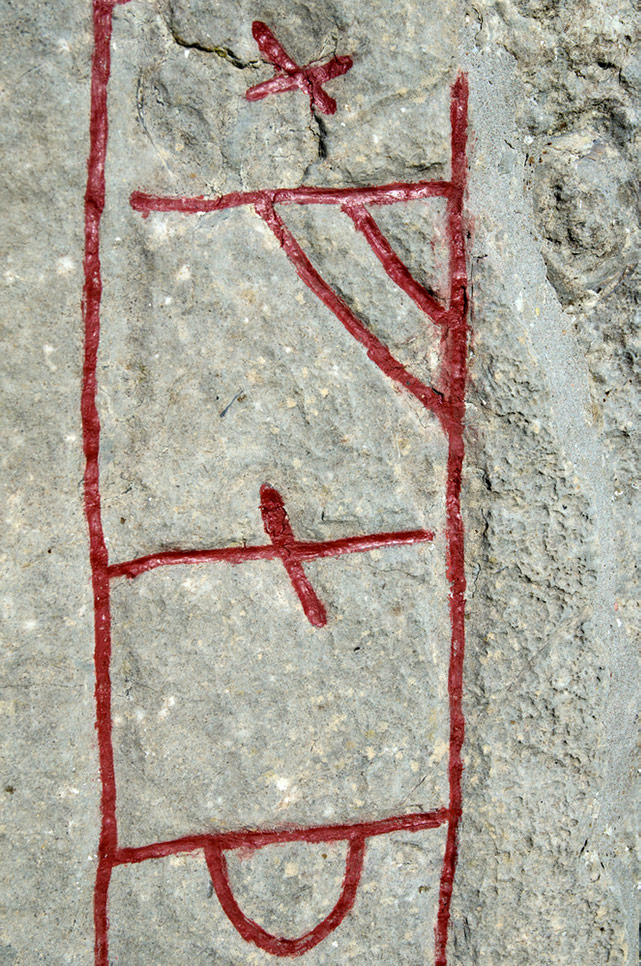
<point>220,371</point>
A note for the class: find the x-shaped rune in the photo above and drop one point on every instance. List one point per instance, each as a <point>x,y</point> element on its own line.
<point>290,76</point>
<point>284,547</point>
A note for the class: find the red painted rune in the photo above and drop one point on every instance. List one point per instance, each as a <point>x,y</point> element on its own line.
<point>445,400</point>
<point>289,76</point>
<point>284,546</point>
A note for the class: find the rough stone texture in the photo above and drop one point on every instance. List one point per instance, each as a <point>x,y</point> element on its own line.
<point>190,310</point>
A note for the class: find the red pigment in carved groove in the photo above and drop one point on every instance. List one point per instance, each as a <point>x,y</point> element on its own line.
<point>290,76</point>
<point>355,835</point>
<point>448,405</point>
<point>279,530</point>
<point>392,264</point>
<point>376,351</point>
<point>284,547</point>
<point>455,369</point>
<point>450,409</point>
<point>301,550</point>
<point>388,194</point>
<point>94,206</point>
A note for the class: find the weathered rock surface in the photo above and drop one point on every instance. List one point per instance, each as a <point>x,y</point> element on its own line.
<point>219,372</point>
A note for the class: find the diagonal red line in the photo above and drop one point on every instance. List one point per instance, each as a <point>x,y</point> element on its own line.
<point>279,531</point>
<point>314,77</point>
<point>318,98</point>
<point>376,351</point>
<point>272,48</point>
<point>275,85</point>
<point>455,343</point>
<point>283,547</point>
<point>394,267</point>
<point>333,68</point>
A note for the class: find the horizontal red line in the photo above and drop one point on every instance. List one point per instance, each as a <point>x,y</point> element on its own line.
<point>255,839</point>
<point>379,194</point>
<point>301,551</point>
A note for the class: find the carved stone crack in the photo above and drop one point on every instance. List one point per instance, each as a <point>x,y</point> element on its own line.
<point>225,53</point>
<point>321,135</point>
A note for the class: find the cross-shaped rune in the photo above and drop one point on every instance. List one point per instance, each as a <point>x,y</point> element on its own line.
<point>284,546</point>
<point>289,75</point>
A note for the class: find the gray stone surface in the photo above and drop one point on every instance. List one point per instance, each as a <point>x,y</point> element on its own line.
<point>202,310</point>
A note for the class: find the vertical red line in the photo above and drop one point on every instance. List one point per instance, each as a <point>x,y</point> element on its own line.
<point>94,206</point>
<point>455,369</point>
